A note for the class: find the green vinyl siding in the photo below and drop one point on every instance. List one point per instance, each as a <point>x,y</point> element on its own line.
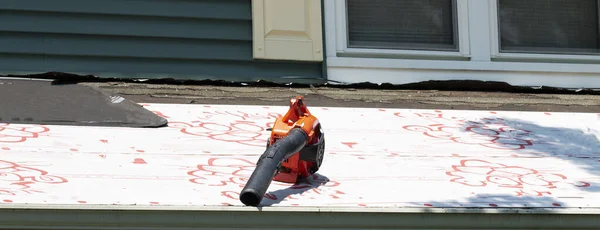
<point>187,39</point>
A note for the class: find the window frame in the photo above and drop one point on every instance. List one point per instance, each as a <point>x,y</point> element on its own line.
<point>496,55</point>
<point>462,28</point>
<point>402,67</point>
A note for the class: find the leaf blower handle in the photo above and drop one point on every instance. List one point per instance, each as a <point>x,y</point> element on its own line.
<point>269,163</point>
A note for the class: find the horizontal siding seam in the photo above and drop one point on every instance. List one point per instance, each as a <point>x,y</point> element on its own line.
<point>121,15</point>
<point>129,57</point>
<point>117,36</point>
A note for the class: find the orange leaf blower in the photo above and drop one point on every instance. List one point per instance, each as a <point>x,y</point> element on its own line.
<point>295,150</point>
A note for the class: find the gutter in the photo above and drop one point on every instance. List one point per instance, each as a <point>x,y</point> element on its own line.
<point>232,217</point>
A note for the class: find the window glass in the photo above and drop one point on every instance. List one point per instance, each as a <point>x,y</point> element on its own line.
<point>402,24</point>
<point>548,26</point>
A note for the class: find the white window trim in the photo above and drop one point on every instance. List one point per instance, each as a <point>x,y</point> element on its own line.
<point>480,49</point>
<point>498,56</point>
<point>342,48</point>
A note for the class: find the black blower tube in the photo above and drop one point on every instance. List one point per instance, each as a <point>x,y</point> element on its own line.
<point>268,165</point>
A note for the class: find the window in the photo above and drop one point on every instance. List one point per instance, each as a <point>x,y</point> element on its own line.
<point>548,26</point>
<point>407,24</point>
<point>392,36</point>
<point>414,29</point>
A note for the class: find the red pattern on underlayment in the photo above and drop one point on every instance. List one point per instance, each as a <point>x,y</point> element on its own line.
<point>521,180</point>
<point>18,178</point>
<point>15,133</point>
<point>233,127</point>
<point>487,132</point>
<point>160,114</point>
<point>233,173</point>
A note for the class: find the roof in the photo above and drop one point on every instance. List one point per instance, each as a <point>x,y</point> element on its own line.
<point>390,160</point>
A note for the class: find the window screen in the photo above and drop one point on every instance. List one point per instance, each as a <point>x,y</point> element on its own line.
<point>402,24</point>
<point>548,26</point>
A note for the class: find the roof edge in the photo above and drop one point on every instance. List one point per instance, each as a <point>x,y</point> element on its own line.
<point>14,216</point>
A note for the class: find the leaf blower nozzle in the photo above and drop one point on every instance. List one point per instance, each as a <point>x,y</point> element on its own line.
<point>268,165</point>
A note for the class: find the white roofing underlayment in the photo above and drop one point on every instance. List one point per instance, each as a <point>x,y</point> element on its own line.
<point>375,158</point>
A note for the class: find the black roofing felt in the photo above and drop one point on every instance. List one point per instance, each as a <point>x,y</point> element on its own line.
<point>26,101</point>
<point>60,78</point>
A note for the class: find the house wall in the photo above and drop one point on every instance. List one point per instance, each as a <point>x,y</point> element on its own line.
<point>202,39</point>
<point>477,59</point>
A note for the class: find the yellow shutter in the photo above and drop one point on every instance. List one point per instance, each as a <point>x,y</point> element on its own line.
<point>287,30</point>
